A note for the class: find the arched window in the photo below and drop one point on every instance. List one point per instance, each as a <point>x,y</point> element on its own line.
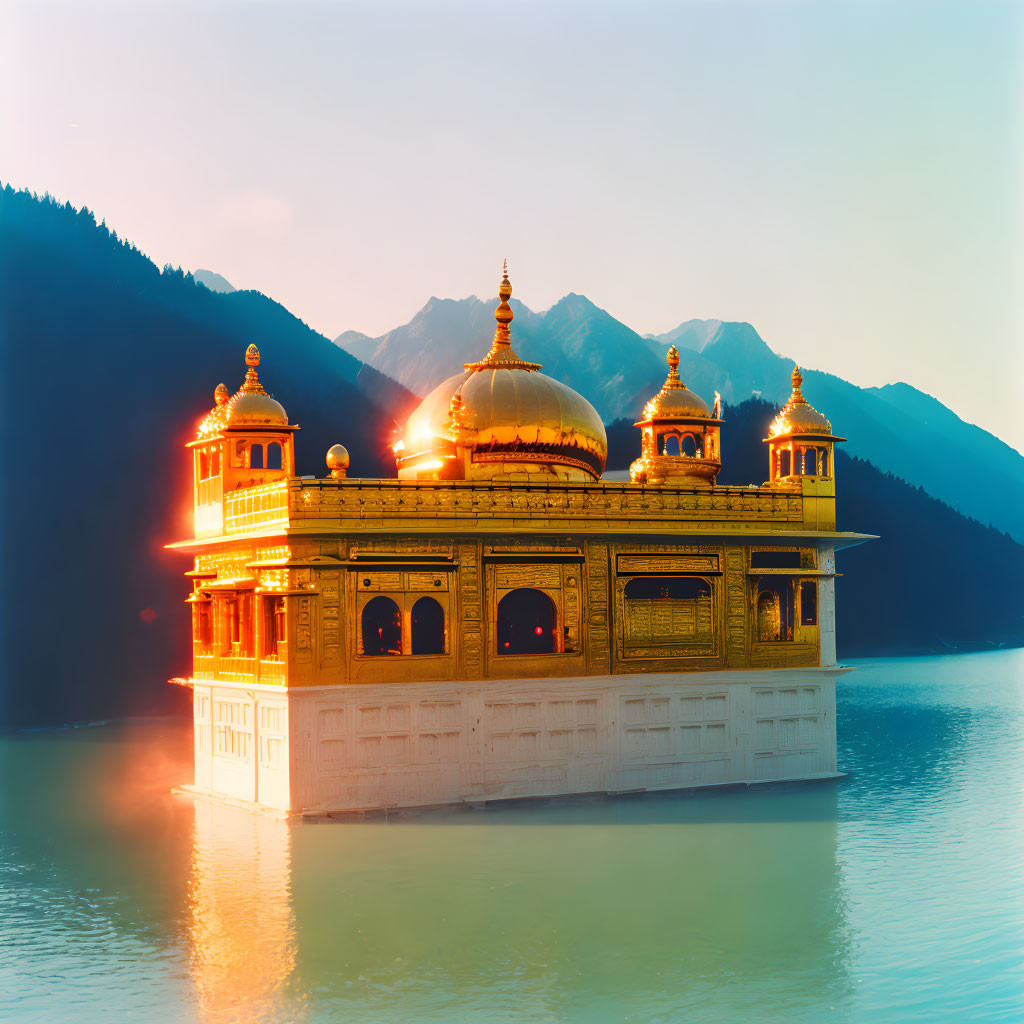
<point>256,457</point>
<point>671,444</point>
<point>824,462</point>
<point>811,461</point>
<point>381,627</point>
<point>526,623</point>
<point>775,599</point>
<point>689,445</point>
<point>784,463</point>
<point>427,627</point>
<point>273,455</point>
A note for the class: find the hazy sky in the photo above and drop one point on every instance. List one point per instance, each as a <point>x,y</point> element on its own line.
<point>845,176</point>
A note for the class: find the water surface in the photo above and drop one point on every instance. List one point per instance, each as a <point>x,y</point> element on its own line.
<point>895,894</point>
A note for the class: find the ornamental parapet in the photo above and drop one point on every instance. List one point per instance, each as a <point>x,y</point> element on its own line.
<point>472,506</point>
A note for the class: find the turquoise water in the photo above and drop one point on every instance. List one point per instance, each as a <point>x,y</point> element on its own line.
<point>895,894</point>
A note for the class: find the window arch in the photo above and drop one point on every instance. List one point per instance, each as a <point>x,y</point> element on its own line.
<point>427,627</point>
<point>274,456</point>
<point>381,627</point>
<point>256,456</point>
<point>672,445</point>
<point>811,461</point>
<point>526,622</point>
<point>785,462</point>
<point>689,445</point>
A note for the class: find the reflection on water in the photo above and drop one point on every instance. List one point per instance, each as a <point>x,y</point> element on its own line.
<point>895,894</point>
<point>241,925</point>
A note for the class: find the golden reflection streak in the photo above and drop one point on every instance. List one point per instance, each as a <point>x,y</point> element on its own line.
<point>242,946</point>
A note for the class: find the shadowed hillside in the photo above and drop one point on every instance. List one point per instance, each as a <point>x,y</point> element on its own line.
<point>108,363</point>
<point>934,581</point>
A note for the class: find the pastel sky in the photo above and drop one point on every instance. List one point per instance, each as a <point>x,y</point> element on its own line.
<point>845,176</point>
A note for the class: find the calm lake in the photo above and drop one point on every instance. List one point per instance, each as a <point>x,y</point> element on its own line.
<point>894,894</point>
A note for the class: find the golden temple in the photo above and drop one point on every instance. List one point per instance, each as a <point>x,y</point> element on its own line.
<point>498,620</point>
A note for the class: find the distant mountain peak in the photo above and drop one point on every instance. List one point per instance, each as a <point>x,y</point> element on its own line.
<point>215,282</point>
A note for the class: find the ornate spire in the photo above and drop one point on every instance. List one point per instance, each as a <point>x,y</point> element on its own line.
<point>672,358</point>
<point>252,380</point>
<point>221,394</point>
<point>501,353</point>
<point>797,398</point>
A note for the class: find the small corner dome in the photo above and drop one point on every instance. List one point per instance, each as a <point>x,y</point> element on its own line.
<point>675,400</point>
<point>253,409</point>
<point>799,417</point>
<point>251,406</point>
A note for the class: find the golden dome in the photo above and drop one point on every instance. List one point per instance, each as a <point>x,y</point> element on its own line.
<point>508,416</point>
<point>798,417</point>
<point>675,401</point>
<point>249,406</point>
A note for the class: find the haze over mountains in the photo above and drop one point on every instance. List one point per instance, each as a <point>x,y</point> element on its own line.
<point>109,362</point>
<point>896,427</point>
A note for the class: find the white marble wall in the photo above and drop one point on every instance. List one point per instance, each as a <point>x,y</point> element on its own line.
<point>416,744</point>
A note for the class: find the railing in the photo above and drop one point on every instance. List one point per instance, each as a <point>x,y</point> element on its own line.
<point>249,508</point>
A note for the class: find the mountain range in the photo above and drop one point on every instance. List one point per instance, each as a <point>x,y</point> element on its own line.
<point>109,362</point>
<point>896,427</point>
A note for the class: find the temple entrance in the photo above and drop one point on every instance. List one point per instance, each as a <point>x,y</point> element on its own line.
<point>526,623</point>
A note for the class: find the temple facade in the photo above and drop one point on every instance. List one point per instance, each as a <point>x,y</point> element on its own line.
<point>499,621</point>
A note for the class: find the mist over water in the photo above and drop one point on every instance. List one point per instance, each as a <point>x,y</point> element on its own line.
<point>894,894</point>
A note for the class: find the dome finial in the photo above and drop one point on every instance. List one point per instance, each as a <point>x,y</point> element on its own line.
<point>252,380</point>
<point>503,314</point>
<point>221,394</point>
<point>796,377</point>
<point>672,358</point>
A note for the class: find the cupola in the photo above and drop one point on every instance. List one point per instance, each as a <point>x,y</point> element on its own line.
<point>800,440</point>
<point>680,437</point>
<point>244,440</point>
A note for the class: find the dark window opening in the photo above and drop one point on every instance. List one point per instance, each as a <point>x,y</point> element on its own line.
<point>204,624</point>
<point>775,610</point>
<point>676,588</point>
<point>526,623</point>
<point>381,627</point>
<point>273,626</point>
<point>256,457</point>
<point>427,630</point>
<point>672,445</point>
<point>690,445</point>
<point>273,456</point>
<point>784,463</point>
<point>232,623</point>
<point>811,462</point>
<point>824,462</point>
<point>809,603</point>
<point>774,559</point>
